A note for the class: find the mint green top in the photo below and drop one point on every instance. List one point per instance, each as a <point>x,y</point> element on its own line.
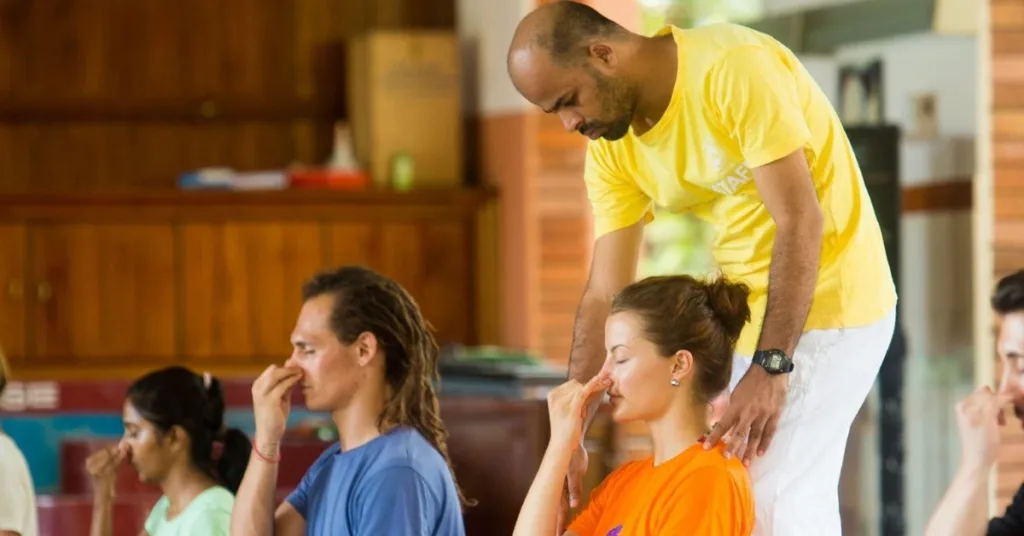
<point>209,514</point>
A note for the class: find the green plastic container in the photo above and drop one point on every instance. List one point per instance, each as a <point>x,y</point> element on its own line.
<point>403,171</point>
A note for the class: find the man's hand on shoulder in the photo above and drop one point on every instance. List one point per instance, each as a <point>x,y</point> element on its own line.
<point>749,422</point>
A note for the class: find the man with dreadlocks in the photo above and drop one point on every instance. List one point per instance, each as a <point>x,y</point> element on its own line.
<point>363,353</point>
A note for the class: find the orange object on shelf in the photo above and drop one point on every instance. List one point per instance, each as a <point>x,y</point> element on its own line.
<point>328,178</point>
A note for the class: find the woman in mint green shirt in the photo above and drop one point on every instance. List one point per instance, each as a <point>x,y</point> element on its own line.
<point>174,437</point>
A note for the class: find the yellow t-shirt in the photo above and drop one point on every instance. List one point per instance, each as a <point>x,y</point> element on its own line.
<point>743,100</point>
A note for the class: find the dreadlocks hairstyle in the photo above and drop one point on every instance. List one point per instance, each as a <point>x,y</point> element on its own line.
<point>366,301</point>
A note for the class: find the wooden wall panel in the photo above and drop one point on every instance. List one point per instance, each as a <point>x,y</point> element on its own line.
<point>126,156</point>
<point>1007,32</point>
<point>126,95</point>
<point>399,250</point>
<point>241,286</point>
<point>564,234</point>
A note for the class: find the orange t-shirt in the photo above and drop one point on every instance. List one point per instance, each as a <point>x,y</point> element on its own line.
<point>697,493</point>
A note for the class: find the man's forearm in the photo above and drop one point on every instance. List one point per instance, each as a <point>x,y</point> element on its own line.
<point>253,512</point>
<point>588,353</point>
<point>963,510</point>
<point>792,277</point>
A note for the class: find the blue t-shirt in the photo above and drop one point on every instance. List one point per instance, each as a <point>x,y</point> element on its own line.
<point>395,485</point>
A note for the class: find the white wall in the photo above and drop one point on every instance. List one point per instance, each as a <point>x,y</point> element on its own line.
<point>825,71</point>
<point>485,30</point>
<point>925,62</point>
<point>936,295</point>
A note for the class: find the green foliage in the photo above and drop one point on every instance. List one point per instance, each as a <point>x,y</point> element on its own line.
<point>654,14</point>
<point>676,244</point>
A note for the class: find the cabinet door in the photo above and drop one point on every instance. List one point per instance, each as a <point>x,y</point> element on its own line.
<point>430,259</point>
<point>242,288</point>
<point>12,292</point>
<point>104,292</point>
<point>495,440</point>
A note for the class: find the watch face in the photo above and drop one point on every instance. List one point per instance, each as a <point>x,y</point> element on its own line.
<point>776,361</point>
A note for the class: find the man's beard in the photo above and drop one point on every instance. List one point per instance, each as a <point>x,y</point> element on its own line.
<point>620,103</point>
<point>617,130</point>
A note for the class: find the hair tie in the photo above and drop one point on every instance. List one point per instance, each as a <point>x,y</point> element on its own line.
<point>216,451</point>
<point>207,380</point>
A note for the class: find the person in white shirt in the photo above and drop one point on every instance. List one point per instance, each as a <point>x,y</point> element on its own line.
<point>17,495</point>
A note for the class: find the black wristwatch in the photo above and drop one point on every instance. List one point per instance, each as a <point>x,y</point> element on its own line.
<point>773,361</point>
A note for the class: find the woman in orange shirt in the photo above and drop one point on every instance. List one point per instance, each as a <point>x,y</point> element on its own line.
<point>670,343</point>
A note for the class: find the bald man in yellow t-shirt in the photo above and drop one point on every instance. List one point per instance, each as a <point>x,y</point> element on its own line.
<point>724,122</point>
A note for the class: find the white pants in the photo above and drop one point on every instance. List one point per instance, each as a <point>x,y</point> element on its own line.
<point>796,483</point>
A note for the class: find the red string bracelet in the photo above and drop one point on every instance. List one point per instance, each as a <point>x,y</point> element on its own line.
<point>267,459</point>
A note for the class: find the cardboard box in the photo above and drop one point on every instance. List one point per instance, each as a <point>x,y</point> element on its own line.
<point>404,97</point>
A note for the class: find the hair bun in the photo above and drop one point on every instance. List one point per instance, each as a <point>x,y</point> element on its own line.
<point>728,300</point>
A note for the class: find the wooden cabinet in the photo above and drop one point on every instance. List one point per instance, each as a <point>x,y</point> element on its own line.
<point>496,446</point>
<point>13,284</point>
<point>241,287</point>
<point>122,284</point>
<point>102,292</point>
<point>494,441</point>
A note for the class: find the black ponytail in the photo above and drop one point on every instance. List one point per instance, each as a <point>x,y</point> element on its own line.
<point>230,462</point>
<point>176,396</point>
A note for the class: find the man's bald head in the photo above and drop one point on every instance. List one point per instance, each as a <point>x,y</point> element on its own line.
<point>566,58</point>
<point>564,30</point>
